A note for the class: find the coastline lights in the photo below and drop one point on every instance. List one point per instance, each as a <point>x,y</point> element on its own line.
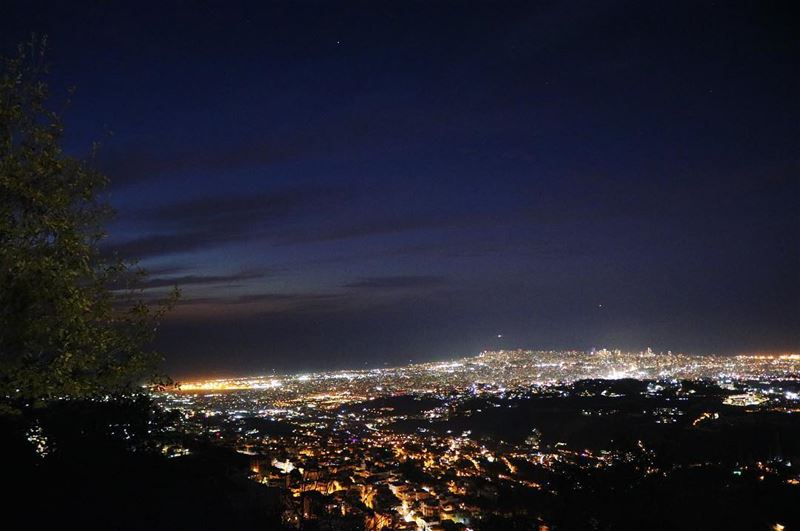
<point>229,385</point>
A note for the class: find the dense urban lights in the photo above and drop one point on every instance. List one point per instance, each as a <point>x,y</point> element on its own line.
<point>405,447</point>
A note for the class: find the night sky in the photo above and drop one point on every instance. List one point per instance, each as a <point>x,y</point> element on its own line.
<point>340,185</point>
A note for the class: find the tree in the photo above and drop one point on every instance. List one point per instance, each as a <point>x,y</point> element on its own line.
<point>72,322</point>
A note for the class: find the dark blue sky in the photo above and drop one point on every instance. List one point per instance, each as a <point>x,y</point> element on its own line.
<point>340,184</point>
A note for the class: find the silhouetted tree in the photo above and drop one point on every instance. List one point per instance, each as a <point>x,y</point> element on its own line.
<point>71,321</point>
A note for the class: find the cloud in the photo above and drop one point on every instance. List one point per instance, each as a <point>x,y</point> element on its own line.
<point>166,269</point>
<point>254,304</point>
<point>368,226</point>
<point>133,166</point>
<point>268,297</point>
<point>380,221</point>
<point>398,282</point>
<point>214,221</point>
<point>293,216</point>
<point>343,135</point>
<point>184,280</point>
<point>156,245</point>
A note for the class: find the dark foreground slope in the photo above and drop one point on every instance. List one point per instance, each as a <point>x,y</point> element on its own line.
<point>88,479</point>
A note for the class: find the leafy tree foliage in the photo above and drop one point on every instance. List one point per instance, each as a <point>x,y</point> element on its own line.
<point>71,321</point>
